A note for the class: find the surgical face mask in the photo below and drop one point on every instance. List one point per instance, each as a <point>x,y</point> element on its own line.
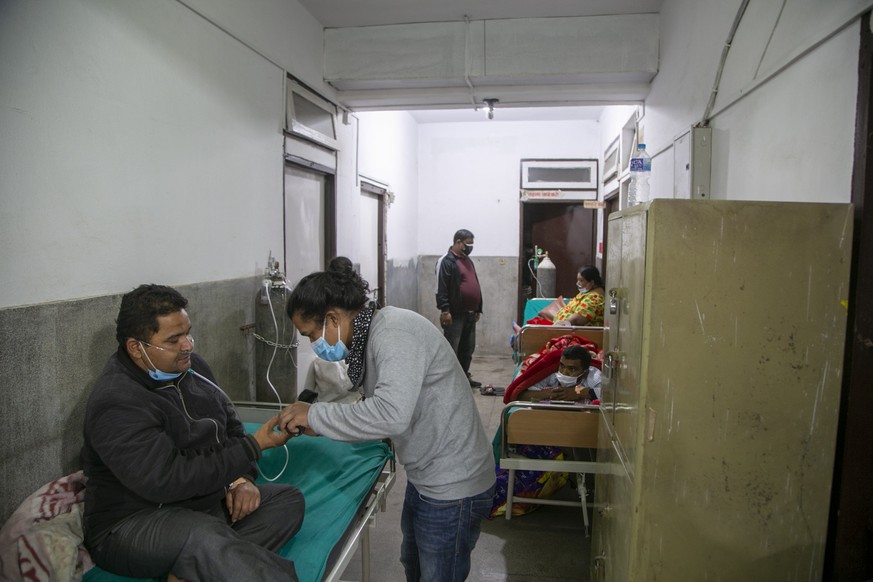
<point>467,249</point>
<point>327,352</point>
<point>162,376</point>
<point>159,375</point>
<point>566,381</point>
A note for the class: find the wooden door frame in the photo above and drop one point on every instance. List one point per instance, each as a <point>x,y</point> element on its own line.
<point>329,205</point>
<point>849,549</point>
<point>611,203</point>
<point>383,194</point>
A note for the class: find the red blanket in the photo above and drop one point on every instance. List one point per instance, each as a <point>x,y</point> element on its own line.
<point>539,365</point>
<point>42,540</point>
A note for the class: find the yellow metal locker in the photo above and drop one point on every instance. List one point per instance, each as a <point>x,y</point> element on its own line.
<point>722,385</point>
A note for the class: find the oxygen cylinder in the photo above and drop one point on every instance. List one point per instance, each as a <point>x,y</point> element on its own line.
<point>546,277</point>
<point>275,340</point>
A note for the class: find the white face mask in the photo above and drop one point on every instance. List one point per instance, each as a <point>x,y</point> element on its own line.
<point>566,381</point>
<point>581,288</point>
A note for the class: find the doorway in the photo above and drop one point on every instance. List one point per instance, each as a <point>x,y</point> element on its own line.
<point>309,225</point>
<point>568,232</point>
<point>610,205</point>
<point>372,247</point>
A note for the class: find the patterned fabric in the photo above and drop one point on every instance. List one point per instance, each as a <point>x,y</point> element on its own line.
<point>588,304</point>
<point>360,333</point>
<point>42,540</point>
<point>528,483</point>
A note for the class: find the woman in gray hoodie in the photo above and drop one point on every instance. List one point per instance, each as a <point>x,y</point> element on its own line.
<point>415,393</point>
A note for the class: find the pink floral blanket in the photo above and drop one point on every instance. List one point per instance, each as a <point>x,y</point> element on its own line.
<point>42,540</point>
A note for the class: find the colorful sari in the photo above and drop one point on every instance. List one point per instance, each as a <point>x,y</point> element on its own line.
<point>589,305</point>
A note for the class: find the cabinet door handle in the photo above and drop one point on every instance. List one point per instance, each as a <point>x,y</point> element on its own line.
<point>613,301</point>
<point>610,365</point>
<point>600,566</point>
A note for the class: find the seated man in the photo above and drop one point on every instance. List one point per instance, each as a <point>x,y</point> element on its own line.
<point>576,379</point>
<point>170,468</point>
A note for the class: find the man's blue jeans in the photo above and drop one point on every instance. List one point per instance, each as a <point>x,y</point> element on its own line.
<point>439,535</point>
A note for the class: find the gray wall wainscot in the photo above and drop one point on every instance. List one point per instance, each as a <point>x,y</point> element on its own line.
<point>54,352</point>
<point>402,280</point>
<point>498,277</point>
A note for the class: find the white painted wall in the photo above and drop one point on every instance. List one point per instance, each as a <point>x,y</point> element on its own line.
<point>134,132</point>
<point>388,153</point>
<point>469,177</point>
<point>281,30</point>
<point>140,143</point>
<point>783,125</point>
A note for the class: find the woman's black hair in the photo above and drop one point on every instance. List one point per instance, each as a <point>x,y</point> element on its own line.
<point>140,308</point>
<point>591,273</point>
<point>577,352</point>
<point>316,293</point>
<point>340,264</point>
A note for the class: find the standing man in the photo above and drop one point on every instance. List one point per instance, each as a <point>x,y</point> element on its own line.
<point>170,467</point>
<point>459,299</point>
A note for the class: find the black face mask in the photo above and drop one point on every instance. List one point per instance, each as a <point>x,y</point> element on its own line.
<point>467,249</point>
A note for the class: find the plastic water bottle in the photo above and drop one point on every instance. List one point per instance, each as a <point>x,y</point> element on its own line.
<point>640,170</point>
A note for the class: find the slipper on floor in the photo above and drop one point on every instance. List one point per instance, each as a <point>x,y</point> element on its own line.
<point>490,390</point>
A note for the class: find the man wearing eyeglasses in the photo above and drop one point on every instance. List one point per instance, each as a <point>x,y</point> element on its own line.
<point>170,468</point>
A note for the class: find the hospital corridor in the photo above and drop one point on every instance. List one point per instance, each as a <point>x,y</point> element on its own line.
<point>305,289</point>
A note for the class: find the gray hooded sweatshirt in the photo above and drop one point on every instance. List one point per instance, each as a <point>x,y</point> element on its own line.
<point>417,395</point>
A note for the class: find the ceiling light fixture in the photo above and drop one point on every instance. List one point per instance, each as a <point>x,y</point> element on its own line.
<point>489,106</point>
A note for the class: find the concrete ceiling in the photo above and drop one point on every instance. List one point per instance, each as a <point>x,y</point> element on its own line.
<point>358,13</point>
<point>344,13</point>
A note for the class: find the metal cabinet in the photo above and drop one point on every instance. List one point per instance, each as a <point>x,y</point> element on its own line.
<point>726,323</point>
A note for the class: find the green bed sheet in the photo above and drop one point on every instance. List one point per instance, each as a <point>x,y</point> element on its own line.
<point>536,304</point>
<point>335,479</point>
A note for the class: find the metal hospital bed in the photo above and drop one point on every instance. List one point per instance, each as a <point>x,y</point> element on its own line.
<point>559,425</point>
<point>344,485</point>
<point>572,426</point>
<point>533,337</point>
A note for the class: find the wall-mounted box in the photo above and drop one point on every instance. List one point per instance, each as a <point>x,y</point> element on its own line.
<point>692,164</point>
